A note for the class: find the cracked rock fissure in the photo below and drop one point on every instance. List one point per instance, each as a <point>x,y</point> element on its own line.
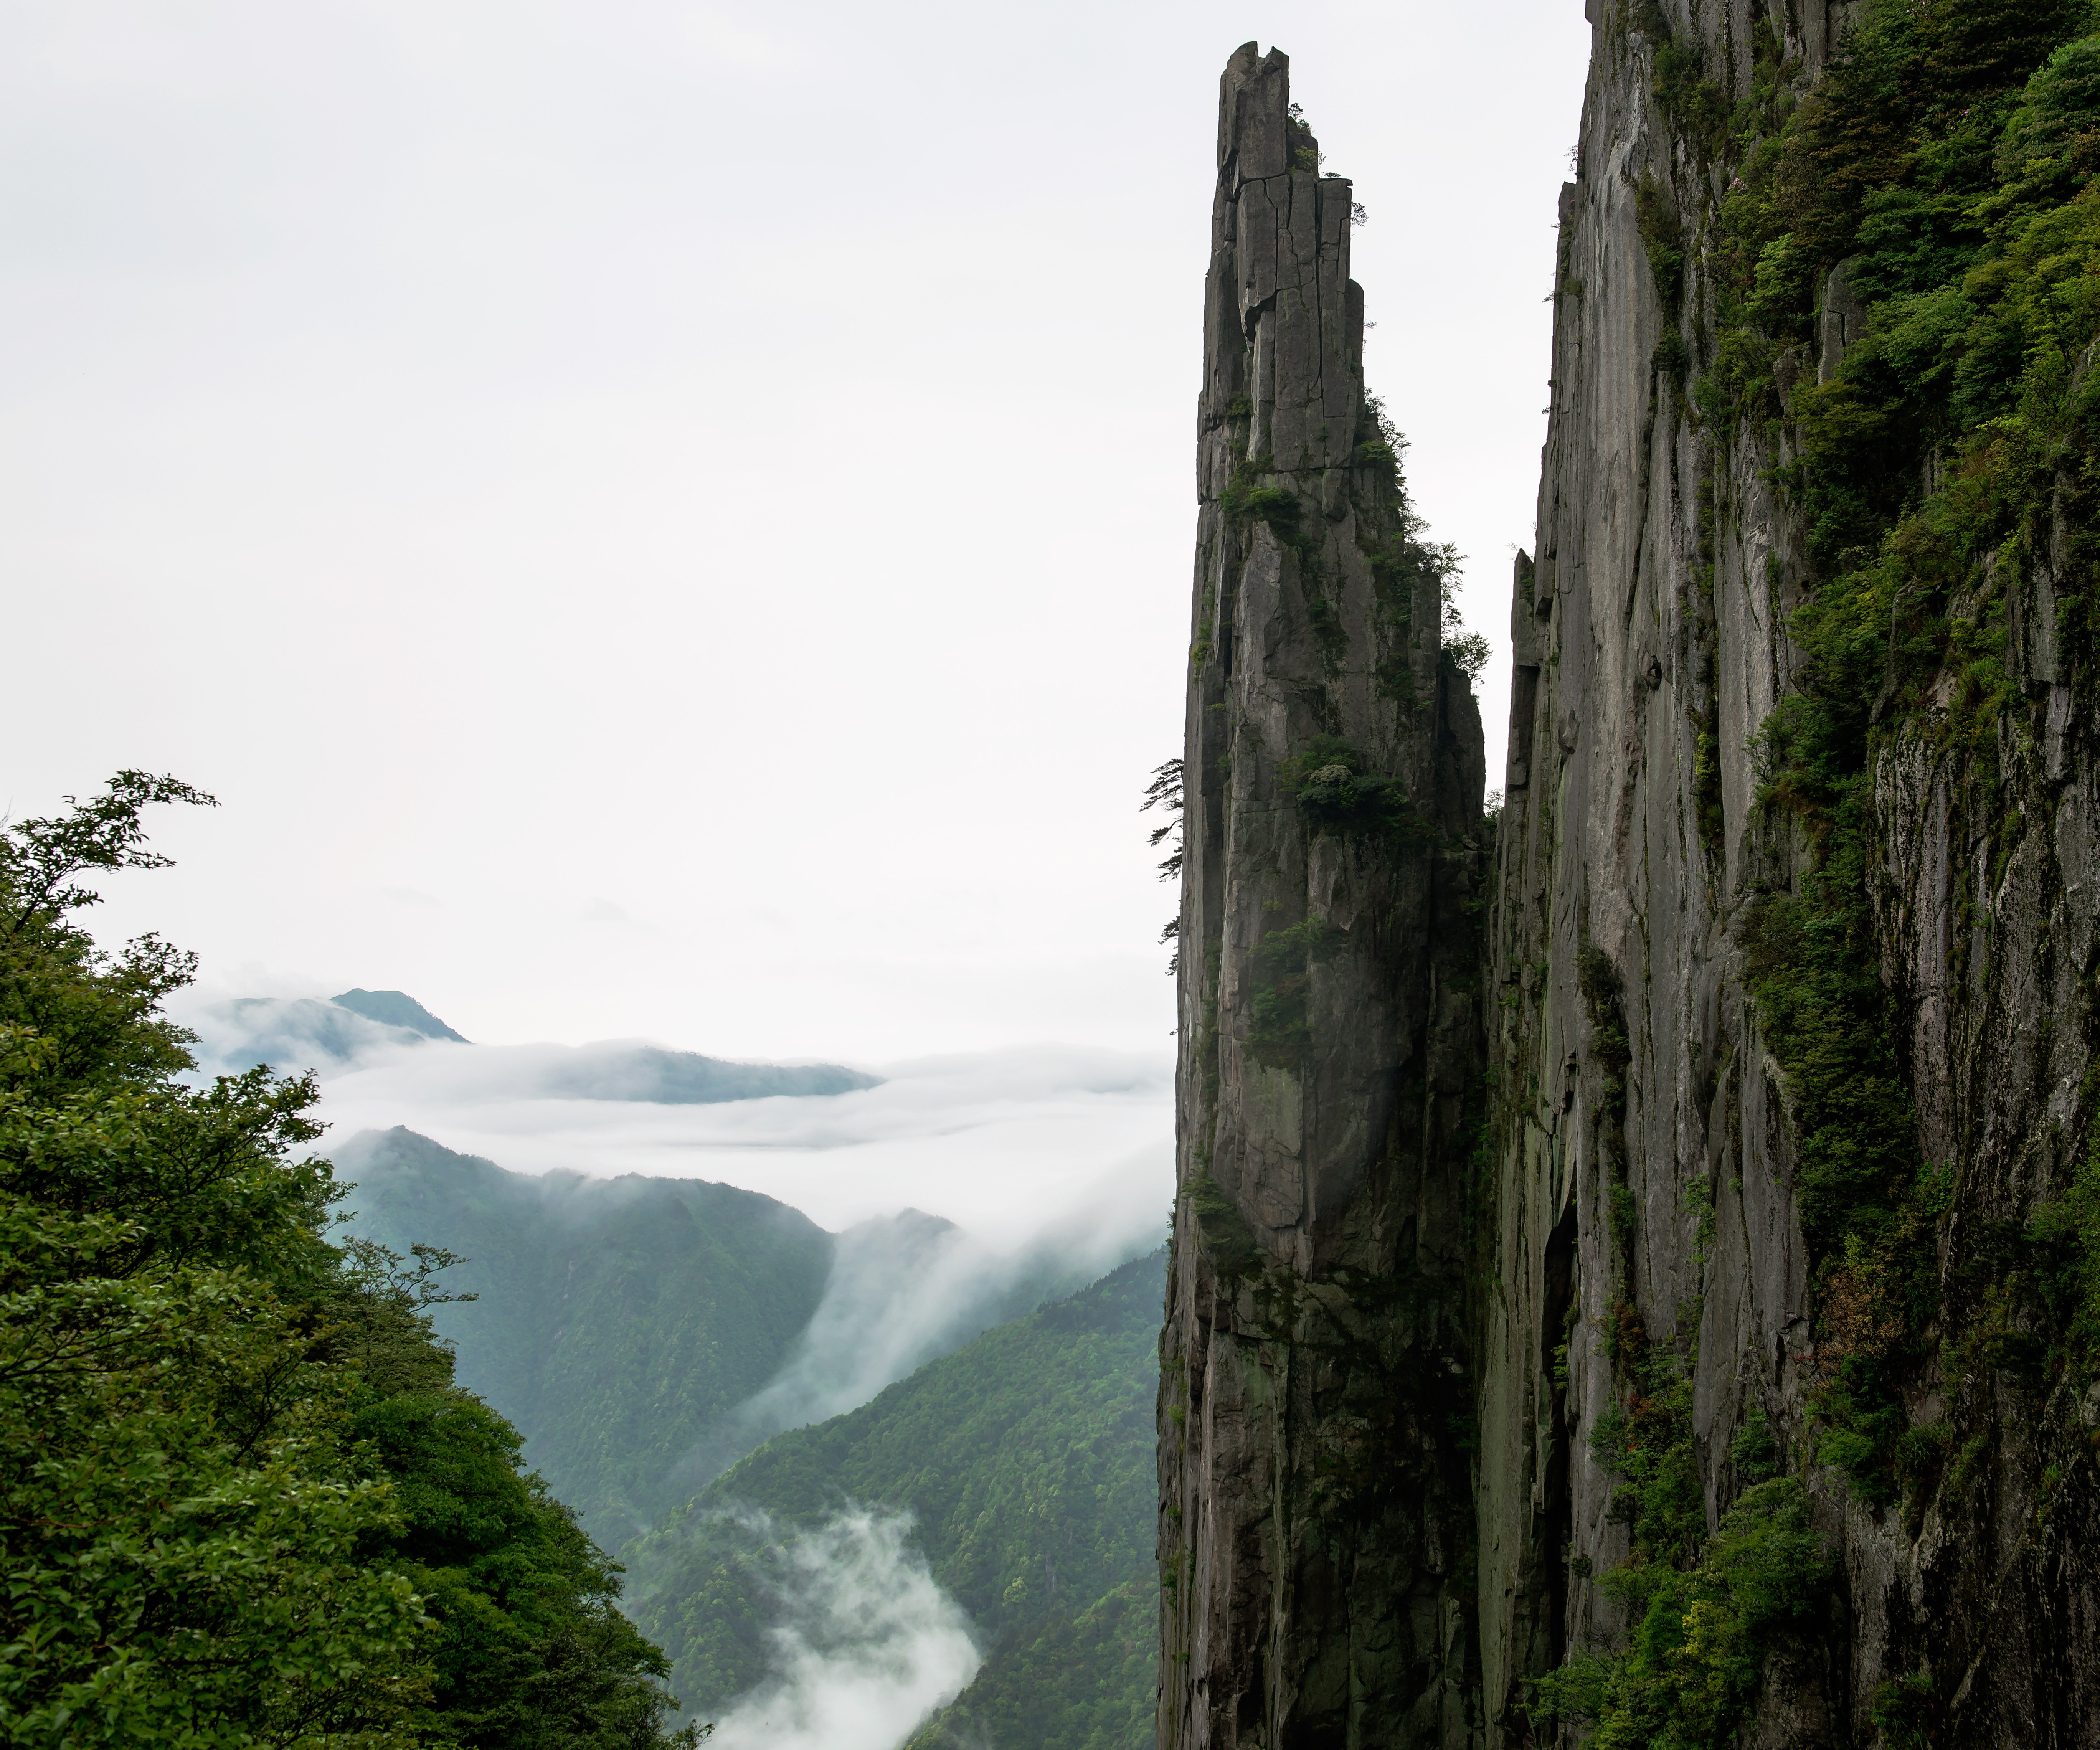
<point>1470,1110</point>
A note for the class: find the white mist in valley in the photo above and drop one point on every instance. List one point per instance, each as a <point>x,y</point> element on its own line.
<point>964,1190</point>
<point>864,1645</point>
<point>902,1291</point>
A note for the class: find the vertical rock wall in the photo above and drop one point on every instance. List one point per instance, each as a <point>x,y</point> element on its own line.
<point>1620,662</point>
<point>1625,874</point>
<point>1388,1344</point>
<point>1315,1495</point>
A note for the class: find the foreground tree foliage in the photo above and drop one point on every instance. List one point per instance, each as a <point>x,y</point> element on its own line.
<point>241,1501</point>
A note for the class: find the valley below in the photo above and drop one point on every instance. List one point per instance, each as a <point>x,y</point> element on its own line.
<point>872,1486</point>
<point>884,1485</point>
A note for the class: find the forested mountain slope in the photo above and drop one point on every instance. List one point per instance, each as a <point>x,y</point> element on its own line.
<point>1026,1457</point>
<point>617,1321</point>
<point>646,1334</point>
<point>242,1501</point>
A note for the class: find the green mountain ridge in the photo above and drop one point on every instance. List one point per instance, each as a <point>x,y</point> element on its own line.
<point>644,1333</point>
<point>615,1320</point>
<point>1026,1459</point>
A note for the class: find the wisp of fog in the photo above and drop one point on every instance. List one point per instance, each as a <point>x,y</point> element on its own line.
<point>902,1291</point>
<point>865,1644</point>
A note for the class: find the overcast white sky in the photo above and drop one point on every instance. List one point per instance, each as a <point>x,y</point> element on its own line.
<point>674,520</point>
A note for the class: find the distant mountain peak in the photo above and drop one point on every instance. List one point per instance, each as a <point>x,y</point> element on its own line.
<point>396,1008</point>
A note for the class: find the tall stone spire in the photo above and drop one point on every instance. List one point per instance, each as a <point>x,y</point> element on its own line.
<point>1315,1383</point>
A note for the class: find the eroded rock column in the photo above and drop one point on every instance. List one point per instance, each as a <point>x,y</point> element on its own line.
<point>1315,1385</point>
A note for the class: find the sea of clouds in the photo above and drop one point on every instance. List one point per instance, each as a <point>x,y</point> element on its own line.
<point>1061,1143</point>
<point>1047,1165</point>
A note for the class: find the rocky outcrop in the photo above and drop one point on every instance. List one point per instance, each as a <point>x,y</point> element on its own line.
<point>1313,1471</point>
<point>1454,1205</point>
<point>1652,642</point>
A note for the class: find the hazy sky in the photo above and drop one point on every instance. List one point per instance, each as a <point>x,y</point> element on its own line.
<point>675,520</point>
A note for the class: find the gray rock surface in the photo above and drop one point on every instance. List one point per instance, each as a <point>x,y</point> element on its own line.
<point>1623,658</point>
<point>1385,1352</point>
<point>1314,1490</point>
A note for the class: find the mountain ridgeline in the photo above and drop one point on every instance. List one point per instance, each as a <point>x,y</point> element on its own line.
<point>615,1321</point>
<point>646,1334</point>
<point>1636,1268</point>
<point>396,1008</point>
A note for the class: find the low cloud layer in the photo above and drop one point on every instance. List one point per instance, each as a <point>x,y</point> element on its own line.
<point>339,1039</point>
<point>1014,1145</point>
<point>864,1645</point>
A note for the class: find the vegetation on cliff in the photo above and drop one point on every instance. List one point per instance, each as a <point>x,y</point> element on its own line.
<point>1895,292</point>
<point>241,1501</point>
<point>1942,174</point>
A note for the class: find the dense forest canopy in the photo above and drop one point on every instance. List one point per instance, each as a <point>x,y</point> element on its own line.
<point>241,1500</point>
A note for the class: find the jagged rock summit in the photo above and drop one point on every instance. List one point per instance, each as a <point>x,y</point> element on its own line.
<point>1649,1291</point>
<point>1314,1501</point>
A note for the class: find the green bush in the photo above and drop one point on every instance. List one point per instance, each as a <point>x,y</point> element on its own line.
<point>1701,1631</point>
<point>1331,785</point>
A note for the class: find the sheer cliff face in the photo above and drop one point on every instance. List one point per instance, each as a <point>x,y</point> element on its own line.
<point>1746,1342</point>
<point>1647,1197</point>
<point>1315,1494</point>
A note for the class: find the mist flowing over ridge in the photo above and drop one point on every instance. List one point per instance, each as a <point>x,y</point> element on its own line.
<point>1023,1461</point>
<point>644,1333</point>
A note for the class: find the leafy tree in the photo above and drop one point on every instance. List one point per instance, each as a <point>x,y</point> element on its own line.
<point>241,1502</point>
